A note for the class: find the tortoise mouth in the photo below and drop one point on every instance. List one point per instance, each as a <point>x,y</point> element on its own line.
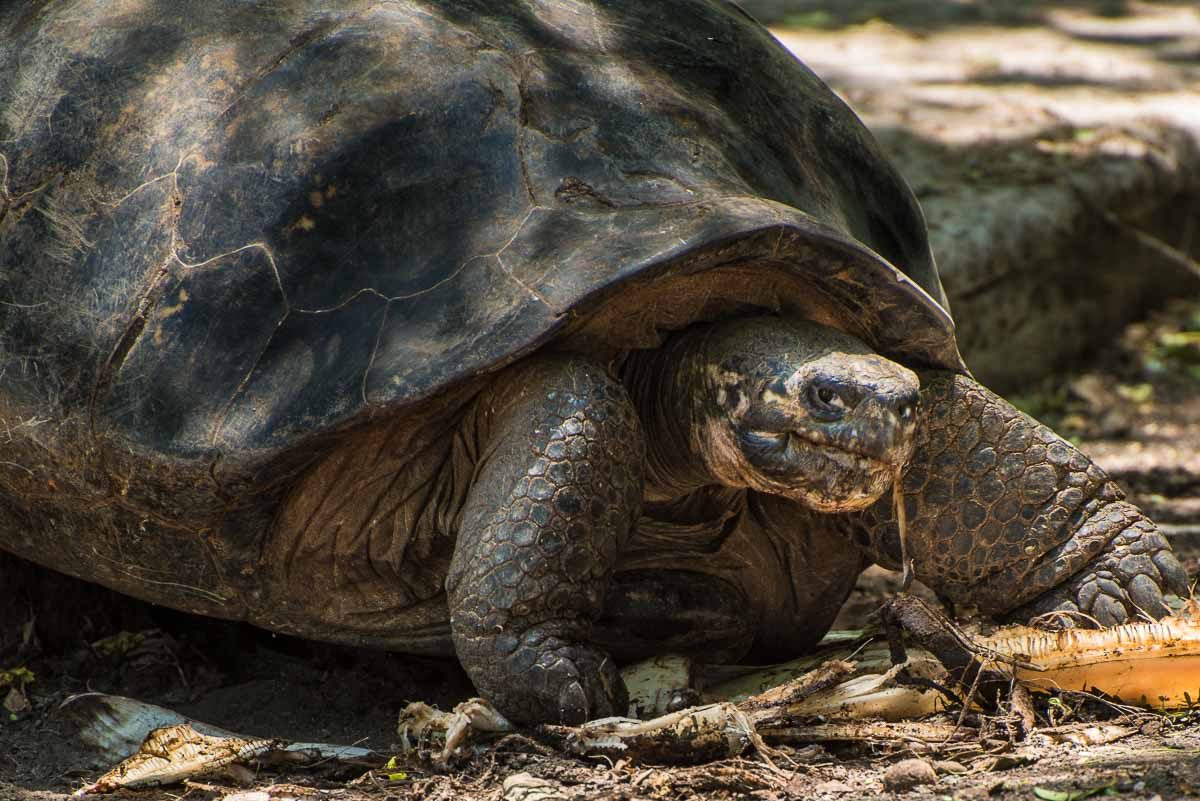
<point>852,459</point>
<point>820,473</point>
<point>780,453</point>
<point>865,453</point>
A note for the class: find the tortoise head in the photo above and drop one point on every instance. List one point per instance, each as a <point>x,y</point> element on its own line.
<point>802,410</point>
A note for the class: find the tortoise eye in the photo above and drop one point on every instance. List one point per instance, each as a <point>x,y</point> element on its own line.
<point>826,400</point>
<point>830,398</point>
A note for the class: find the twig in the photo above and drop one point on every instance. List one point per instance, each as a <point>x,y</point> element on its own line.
<point>1156,244</point>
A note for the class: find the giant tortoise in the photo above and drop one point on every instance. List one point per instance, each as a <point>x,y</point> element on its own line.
<point>542,333</point>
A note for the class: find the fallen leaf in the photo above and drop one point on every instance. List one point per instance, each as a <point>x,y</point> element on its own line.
<point>16,677</point>
<point>17,704</point>
<point>1047,794</point>
<point>1099,734</point>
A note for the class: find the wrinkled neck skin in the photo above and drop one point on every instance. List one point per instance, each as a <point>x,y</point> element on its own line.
<point>666,385</point>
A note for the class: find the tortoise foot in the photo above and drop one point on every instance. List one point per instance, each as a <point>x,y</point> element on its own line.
<point>551,679</point>
<point>1126,581</point>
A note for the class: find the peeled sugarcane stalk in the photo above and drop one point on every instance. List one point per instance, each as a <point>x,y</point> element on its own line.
<point>869,696</point>
<point>1149,664</point>
<point>867,688</point>
<point>1155,664</point>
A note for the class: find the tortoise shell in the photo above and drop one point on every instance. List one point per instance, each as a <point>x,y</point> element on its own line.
<point>231,231</point>
<point>229,226</point>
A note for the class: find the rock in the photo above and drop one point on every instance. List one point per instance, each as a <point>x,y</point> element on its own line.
<point>16,704</point>
<point>907,774</point>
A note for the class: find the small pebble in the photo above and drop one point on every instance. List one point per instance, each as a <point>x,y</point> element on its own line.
<point>907,774</point>
<point>833,786</point>
<point>526,787</point>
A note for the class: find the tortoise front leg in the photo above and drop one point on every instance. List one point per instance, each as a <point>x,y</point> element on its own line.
<point>1004,515</point>
<point>558,488</point>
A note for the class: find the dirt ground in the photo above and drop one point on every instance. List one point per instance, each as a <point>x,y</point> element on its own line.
<point>1136,409</point>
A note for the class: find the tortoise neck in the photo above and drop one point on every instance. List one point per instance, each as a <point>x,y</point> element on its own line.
<point>666,384</point>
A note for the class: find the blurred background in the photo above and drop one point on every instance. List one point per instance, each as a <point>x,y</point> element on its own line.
<point>1053,146</point>
<point>923,13</point>
<point>1055,149</point>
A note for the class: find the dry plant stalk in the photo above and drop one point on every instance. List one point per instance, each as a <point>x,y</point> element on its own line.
<point>917,733</point>
<point>1155,664</point>
<point>1149,664</point>
<point>721,729</point>
<point>171,748</point>
<point>174,753</point>
<point>906,576</point>
<point>768,703</point>
<point>690,736</point>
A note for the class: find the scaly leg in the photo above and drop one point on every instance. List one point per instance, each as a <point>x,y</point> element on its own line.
<point>558,488</point>
<point>1006,516</point>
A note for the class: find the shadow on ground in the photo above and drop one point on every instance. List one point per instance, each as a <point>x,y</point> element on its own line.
<point>925,15</point>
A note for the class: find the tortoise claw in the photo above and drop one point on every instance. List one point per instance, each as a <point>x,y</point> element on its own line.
<point>1127,581</point>
<point>566,683</point>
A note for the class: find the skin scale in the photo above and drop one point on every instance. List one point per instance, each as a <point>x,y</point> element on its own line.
<point>542,334</point>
